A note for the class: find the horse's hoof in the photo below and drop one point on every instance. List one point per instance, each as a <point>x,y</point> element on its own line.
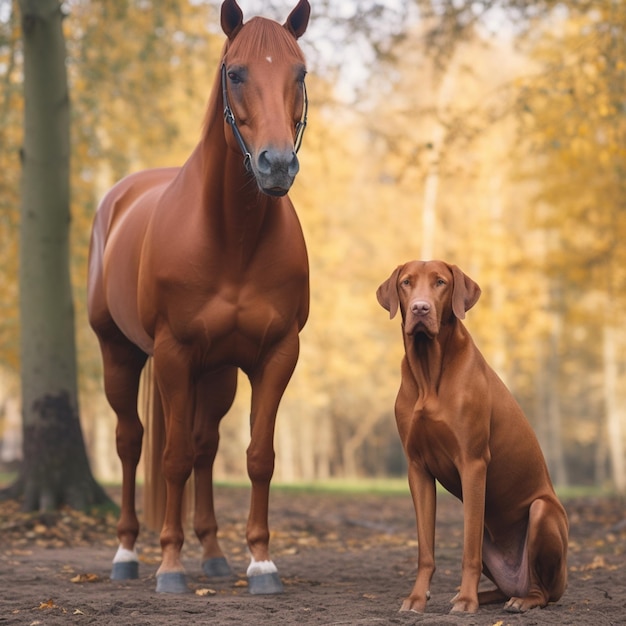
<point>172,582</point>
<point>265,583</point>
<point>217,567</point>
<point>125,570</point>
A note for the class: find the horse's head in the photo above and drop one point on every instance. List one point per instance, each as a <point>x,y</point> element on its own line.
<point>264,94</point>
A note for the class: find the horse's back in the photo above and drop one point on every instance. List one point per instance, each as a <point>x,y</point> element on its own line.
<point>116,242</point>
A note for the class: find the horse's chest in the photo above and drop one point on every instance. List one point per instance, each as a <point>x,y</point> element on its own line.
<point>236,325</point>
<point>254,318</point>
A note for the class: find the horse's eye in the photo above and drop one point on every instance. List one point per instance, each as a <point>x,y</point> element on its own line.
<point>235,78</point>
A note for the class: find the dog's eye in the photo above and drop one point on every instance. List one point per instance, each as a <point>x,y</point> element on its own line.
<point>440,282</point>
<point>406,281</point>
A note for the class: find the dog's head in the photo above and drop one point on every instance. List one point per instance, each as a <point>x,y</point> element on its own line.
<point>429,294</point>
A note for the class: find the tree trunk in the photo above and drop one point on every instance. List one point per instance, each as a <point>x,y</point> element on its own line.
<point>431,184</point>
<point>547,420</point>
<point>55,470</point>
<point>615,414</point>
<point>556,456</point>
<point>350,448</point>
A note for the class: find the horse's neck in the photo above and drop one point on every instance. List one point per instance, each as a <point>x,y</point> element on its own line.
<point>230,206</point>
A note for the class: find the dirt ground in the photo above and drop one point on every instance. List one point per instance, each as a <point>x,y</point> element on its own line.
<point>344,559</point>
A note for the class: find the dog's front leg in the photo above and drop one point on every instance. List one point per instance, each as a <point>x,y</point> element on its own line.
<point>422,486</point>
<point>473,480</point>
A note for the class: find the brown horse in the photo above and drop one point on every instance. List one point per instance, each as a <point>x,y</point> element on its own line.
<point>204,268</point>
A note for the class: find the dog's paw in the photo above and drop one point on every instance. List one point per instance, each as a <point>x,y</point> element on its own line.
<point>521,605</point>
<point>415,604</point>
<point>463,605</point>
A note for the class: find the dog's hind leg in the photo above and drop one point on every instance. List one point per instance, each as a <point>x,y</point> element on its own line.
<point>547,556</point>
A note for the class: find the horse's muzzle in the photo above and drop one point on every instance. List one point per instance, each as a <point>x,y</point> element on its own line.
<point>275,170</point>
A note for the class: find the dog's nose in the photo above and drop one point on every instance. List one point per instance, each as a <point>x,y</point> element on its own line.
<point>420,307</point>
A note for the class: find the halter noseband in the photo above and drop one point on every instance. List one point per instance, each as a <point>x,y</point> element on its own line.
<point>230,119</point>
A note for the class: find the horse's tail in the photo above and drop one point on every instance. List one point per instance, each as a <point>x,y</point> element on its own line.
<point>154,443</point>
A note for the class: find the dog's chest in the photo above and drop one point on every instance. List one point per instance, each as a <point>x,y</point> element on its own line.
<point>434,443</point>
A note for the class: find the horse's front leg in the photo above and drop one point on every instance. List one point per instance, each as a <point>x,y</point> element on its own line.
<point>173,376</point>
<point>214,396</point>
<point>268,385</point>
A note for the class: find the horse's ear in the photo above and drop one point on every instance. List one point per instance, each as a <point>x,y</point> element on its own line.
<point>387,293</point>
<point>231,18</point>
<point>465,292</point>
<point>298,19</point>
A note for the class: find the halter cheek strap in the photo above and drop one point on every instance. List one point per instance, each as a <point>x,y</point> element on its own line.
<point>230,119</point>
<point>301,125</point>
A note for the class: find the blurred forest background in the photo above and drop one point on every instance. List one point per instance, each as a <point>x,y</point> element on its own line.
<point>490,133</point>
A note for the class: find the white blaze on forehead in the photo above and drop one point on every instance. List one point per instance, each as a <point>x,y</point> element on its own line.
<point>268,59</point>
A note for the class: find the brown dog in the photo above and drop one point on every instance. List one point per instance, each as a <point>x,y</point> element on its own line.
<point>460,425</point>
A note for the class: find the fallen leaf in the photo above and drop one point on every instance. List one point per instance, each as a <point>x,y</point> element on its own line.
<point>85,578</point>
<point>205,592</point>
<point>598,563</point>
<point>48,604</point>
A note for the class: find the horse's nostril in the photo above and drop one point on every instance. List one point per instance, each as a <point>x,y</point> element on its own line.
<point>294,165</point>
<point>264,163</point>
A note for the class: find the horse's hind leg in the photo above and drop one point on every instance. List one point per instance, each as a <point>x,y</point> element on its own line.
<point>214,396</point>
<point>122,364</point>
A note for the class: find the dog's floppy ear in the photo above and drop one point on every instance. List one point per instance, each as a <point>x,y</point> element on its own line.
<point>387,293</point>
<point>465,292</point>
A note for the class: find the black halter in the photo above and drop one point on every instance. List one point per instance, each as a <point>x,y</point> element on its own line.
<point>301,125</point>
<point>230,119</point>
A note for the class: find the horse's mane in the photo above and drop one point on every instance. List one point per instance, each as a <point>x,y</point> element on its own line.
<point>258,37</point>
